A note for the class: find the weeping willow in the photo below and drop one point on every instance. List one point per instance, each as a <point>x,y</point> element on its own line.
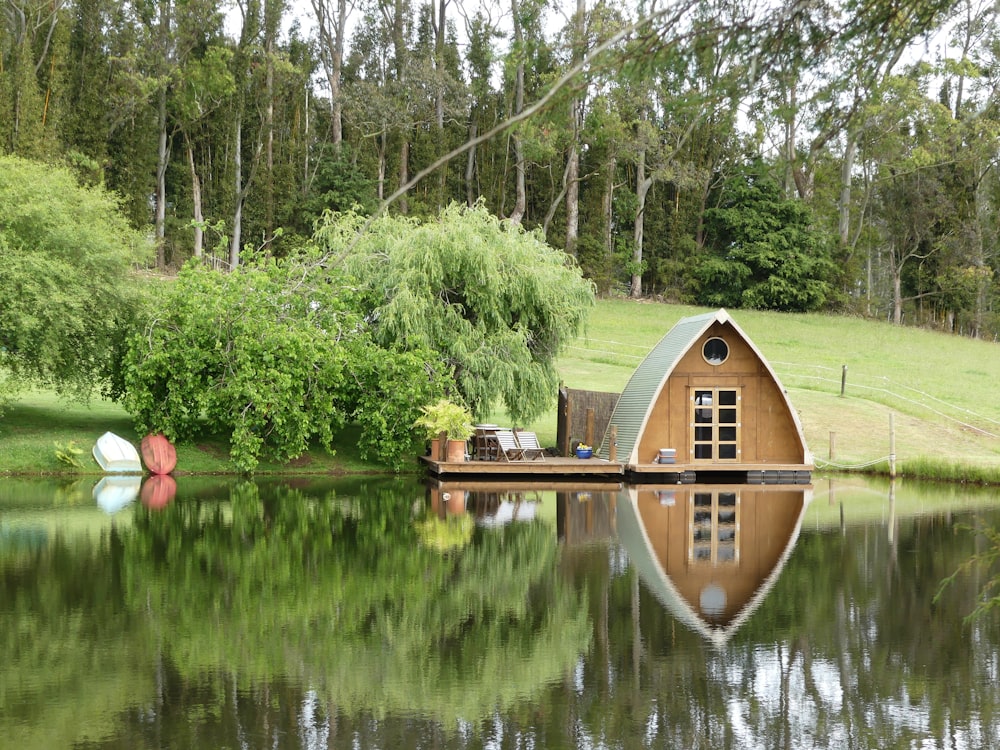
<point>494,300</point>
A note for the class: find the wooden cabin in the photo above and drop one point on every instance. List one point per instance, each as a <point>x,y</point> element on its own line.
<point>705,405</point>
<point>711,553</point>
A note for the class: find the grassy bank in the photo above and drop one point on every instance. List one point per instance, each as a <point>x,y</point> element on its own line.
<point>941,393</point>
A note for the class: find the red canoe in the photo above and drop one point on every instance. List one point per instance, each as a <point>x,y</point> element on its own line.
<point>158,454</point>
<point>157,491</point>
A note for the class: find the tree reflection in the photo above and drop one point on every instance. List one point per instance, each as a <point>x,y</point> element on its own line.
<point>284,616</point>
<point>338,594</point>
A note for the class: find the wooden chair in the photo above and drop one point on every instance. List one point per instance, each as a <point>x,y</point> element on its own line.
<point>508,448</point>
<point>530,448</point>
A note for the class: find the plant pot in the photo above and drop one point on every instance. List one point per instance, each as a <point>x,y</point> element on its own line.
<point>435,449</point>
<point>456,451</point>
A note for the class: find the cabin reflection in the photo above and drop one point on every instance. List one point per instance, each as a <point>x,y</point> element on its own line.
<point>710,553</point>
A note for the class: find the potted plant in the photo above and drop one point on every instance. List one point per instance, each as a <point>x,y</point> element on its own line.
<point>453,420</point>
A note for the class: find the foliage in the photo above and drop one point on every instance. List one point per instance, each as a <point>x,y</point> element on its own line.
<point>445,416</point>
<point>765,253</point>
<point>983,560</point>
<point>340,585</point>
<point>445,534</point>
<point>274,355</point>
<point>69,454</point>
<point>494,301</point>
<point>66,284</point>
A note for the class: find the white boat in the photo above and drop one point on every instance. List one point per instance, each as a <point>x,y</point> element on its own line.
<point>116,455</point>
<point>114,492</point>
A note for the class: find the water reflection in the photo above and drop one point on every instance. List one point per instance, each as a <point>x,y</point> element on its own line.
<point>322,613</point>
<point>711,553</point>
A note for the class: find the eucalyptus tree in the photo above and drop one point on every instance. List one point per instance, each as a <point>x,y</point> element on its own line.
<point>86,125</point>
<point>482,31</point>
<point>439,101</point>
<point>528,45</point>
<point>331,29</point>
<point>908,134</point>
<point>33,47</point>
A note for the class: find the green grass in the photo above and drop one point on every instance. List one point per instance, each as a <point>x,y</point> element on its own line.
<point>31,428</point>
<point>941,393</point>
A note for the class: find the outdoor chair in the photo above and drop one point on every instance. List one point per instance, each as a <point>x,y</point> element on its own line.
<point>508,448</point>
<point>530,448</point>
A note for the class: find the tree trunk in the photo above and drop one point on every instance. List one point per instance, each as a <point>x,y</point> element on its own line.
<point>199,230</point>
<point>234,246</point>
<point>607,208</point>
<point>573,170</point>
<point>642,185</point>
<point>521,192</point>
<point>162,156</point>
<point>470,168</point>
<point>846,171</point>
<point>897,291</point>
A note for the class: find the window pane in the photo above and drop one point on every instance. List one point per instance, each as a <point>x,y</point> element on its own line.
<point>727,450</point>
<point>702,451</point>
<point>727,499</point>
<point>727,416</point>
<point>727,398</point>
<point>703,398</point>
<point>702,433</point>
<point>703,415</point>
<point>727,433</point>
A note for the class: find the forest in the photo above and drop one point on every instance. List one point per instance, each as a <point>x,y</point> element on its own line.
<point>819,155</point>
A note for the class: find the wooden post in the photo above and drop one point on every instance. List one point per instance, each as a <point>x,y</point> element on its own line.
<point>613,443</point>
<point>833,444</point>
<point>442,446</point>
<point>589,438</point>
<point>892,447</point>
<point>843,380</point>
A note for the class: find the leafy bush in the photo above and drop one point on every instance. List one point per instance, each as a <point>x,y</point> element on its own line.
<point>275,355</point>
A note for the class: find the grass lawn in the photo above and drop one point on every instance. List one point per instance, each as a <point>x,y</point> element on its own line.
<point>31,428</point>
<point>942,393</point>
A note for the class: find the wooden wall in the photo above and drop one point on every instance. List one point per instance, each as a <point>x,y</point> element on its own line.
<point>768,433</point>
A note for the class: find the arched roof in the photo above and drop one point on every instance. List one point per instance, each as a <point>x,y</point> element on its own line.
<point>644,387</point>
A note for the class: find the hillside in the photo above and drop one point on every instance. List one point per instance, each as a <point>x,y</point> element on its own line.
<point>943,391</point>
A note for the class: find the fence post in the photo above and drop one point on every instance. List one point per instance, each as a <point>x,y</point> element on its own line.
<point>843,380</point>
<point>892,447</point>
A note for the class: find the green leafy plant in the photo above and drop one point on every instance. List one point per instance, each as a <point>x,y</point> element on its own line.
<point>69,454</point>
<point>445,416</point>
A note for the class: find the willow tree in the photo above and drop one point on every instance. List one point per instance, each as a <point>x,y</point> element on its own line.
<point>66,283</point>
<point>491,298</point>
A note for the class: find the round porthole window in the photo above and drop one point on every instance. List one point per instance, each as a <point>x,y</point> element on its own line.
<point>715,351</point>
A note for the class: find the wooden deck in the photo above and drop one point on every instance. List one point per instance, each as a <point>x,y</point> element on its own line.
<point>551,467</point>
<point>560,468</point>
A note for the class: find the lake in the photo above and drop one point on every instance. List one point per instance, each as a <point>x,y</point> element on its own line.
<point>312,612</point>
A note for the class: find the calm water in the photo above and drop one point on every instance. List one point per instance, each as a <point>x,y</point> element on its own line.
<point>383,614</point>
